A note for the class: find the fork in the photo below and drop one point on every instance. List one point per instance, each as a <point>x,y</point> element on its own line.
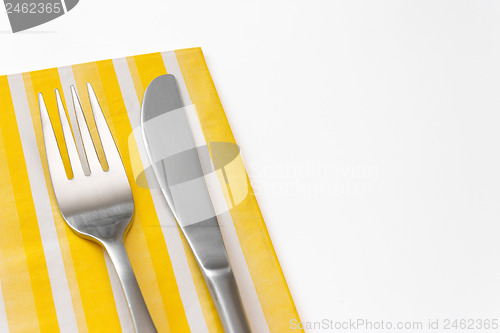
<point>97,204</point>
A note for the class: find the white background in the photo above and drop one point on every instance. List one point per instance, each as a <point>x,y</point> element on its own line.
<point>370,130</point>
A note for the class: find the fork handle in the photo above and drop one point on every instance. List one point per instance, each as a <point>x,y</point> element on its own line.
<point>136,305</point>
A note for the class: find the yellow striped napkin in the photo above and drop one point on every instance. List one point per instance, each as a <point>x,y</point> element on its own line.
<point>52,280</point>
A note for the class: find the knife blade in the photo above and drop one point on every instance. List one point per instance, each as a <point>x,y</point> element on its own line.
<point>174,159</point>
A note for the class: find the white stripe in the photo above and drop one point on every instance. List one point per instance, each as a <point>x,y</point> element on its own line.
<point>67,79</point>
<point>249,297</point>
<point>50,242</point>
<point>121,305</point>
<point>4,327</point>
<point>127,88</point>
<point>175,248</point>
<point>211,178</point>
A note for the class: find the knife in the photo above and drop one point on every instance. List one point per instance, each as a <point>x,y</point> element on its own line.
<point>176,164</point>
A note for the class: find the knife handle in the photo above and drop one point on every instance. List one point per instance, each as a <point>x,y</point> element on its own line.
<point>224,291</point>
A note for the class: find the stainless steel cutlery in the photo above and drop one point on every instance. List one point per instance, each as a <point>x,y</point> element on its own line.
<point>99,205</point>
<point>174,158</point>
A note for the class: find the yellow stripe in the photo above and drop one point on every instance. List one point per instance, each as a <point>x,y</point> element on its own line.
<point>91,292</point>
<point>17,287</point>
<point>144,69</point>
<point>149,67</point>
<point>27,217</point>
<point>207,305</point>
<point>263,264</point>
<point>175,310</point>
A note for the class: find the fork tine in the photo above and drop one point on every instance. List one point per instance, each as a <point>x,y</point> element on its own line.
<point>108,144</point>
<point>74,159</point>
<point>54,159</point>
<point>88,144</point>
